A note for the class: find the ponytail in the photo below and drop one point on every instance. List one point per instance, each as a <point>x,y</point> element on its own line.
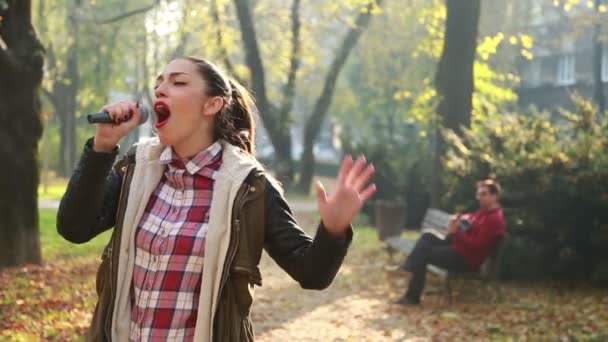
<point>235,123</point>
<point>240,110</point>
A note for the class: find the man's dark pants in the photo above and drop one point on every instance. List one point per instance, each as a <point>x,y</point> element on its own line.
<point>430,249</point>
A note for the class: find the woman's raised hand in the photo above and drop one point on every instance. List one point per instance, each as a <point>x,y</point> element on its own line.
<point>339,208</point>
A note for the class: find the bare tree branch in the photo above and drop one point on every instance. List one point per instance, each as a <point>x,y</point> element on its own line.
<point>349,42</point>
<point>215,15</point>
<point>290,86</point>
<point>254,62</point>
<point>184,35</point>
<point>278,130</point>
<point>119,17</point>
<point>313,125</point>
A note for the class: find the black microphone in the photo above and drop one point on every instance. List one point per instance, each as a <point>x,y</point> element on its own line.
<point>103,117</point>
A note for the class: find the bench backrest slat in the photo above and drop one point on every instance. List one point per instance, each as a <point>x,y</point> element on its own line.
<point>492,265</point>
<point>435,218</point>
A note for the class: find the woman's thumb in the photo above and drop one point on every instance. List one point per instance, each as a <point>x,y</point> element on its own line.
<point>321,195</point>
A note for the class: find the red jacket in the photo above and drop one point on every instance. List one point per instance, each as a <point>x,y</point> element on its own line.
<point>477,242</point>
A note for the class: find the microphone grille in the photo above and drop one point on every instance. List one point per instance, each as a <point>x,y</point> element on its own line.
<point>145,113</point>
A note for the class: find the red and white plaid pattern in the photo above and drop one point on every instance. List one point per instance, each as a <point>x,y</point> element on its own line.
<point>170,247</point>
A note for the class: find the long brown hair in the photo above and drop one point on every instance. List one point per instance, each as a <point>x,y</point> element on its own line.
<point>235,122</point>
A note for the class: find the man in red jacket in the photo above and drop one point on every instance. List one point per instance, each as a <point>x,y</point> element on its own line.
<point>471,239</point>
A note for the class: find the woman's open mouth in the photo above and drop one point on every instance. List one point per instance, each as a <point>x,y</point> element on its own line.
<point>162,113</point>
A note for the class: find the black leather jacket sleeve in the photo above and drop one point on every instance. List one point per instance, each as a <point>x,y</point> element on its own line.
<point>89,204</point>
<point>312,263</point>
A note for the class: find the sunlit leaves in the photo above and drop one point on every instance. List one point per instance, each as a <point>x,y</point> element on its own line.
<point>338,7</point>
<point>492,88</point>
<point>402,95</point>
<point>432,18</point>
<point>382,80</point>
<point>569,5</point>
<point>423,107</point>
<point>489,45</point>
<point>526,41</point>
<point>534,141</point>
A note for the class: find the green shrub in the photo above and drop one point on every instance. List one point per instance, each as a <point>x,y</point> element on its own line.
<point>554,173</point>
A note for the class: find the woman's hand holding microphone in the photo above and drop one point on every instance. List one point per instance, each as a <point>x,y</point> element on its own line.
<point>125,116</point>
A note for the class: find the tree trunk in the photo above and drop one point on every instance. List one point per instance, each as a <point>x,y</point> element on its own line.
<point>21,61</point>
<point>219,37</point>
<point>598,50</point>
<point>454,80</point>
<point>315,121</point>
<point>65,91</point>
<point>277,129</point>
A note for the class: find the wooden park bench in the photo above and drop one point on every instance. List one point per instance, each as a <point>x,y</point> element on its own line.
<point>436,222</point>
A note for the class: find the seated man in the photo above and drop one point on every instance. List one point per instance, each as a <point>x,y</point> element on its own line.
<point>470,240</point>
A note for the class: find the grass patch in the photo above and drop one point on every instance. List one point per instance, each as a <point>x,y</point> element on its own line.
<point>366,236</point>
<point>54,246</point>
<point>53,301</point>
<point>54,191</point>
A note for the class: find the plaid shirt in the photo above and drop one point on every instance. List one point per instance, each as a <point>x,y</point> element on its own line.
<point>170,248</point>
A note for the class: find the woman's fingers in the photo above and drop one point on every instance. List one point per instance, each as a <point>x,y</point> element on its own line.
<point>126,112</point>
<point>368,192</point>
<point>121,112</point>
<point>363,178</point>
<point>347,164</point>
<point>355,170</point>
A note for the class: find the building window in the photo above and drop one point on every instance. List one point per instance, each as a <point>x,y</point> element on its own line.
<point>605,65</point>
<point>566,69</point>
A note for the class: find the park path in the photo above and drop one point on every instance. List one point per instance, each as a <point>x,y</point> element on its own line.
<point>354,308</point>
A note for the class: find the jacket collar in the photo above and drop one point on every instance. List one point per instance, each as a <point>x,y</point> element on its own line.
<point>194,164</point>
<point>235,162</point>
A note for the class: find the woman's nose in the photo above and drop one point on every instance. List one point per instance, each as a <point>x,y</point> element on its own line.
<point>160,90</point>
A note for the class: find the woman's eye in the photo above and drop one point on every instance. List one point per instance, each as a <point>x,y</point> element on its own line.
<point>178,83</point>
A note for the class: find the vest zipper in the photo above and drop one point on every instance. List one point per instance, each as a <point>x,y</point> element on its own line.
<point>233,247</point>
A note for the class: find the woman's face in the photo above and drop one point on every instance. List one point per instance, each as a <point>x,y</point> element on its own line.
<point>181,106</point>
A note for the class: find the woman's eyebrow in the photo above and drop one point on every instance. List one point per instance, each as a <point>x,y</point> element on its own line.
<point>160,77</point>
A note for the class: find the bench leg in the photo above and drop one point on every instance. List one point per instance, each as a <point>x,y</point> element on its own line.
<point>493,289</point>
<point>448,289</point>
<point>391,253</point>
<point>497,292</point>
